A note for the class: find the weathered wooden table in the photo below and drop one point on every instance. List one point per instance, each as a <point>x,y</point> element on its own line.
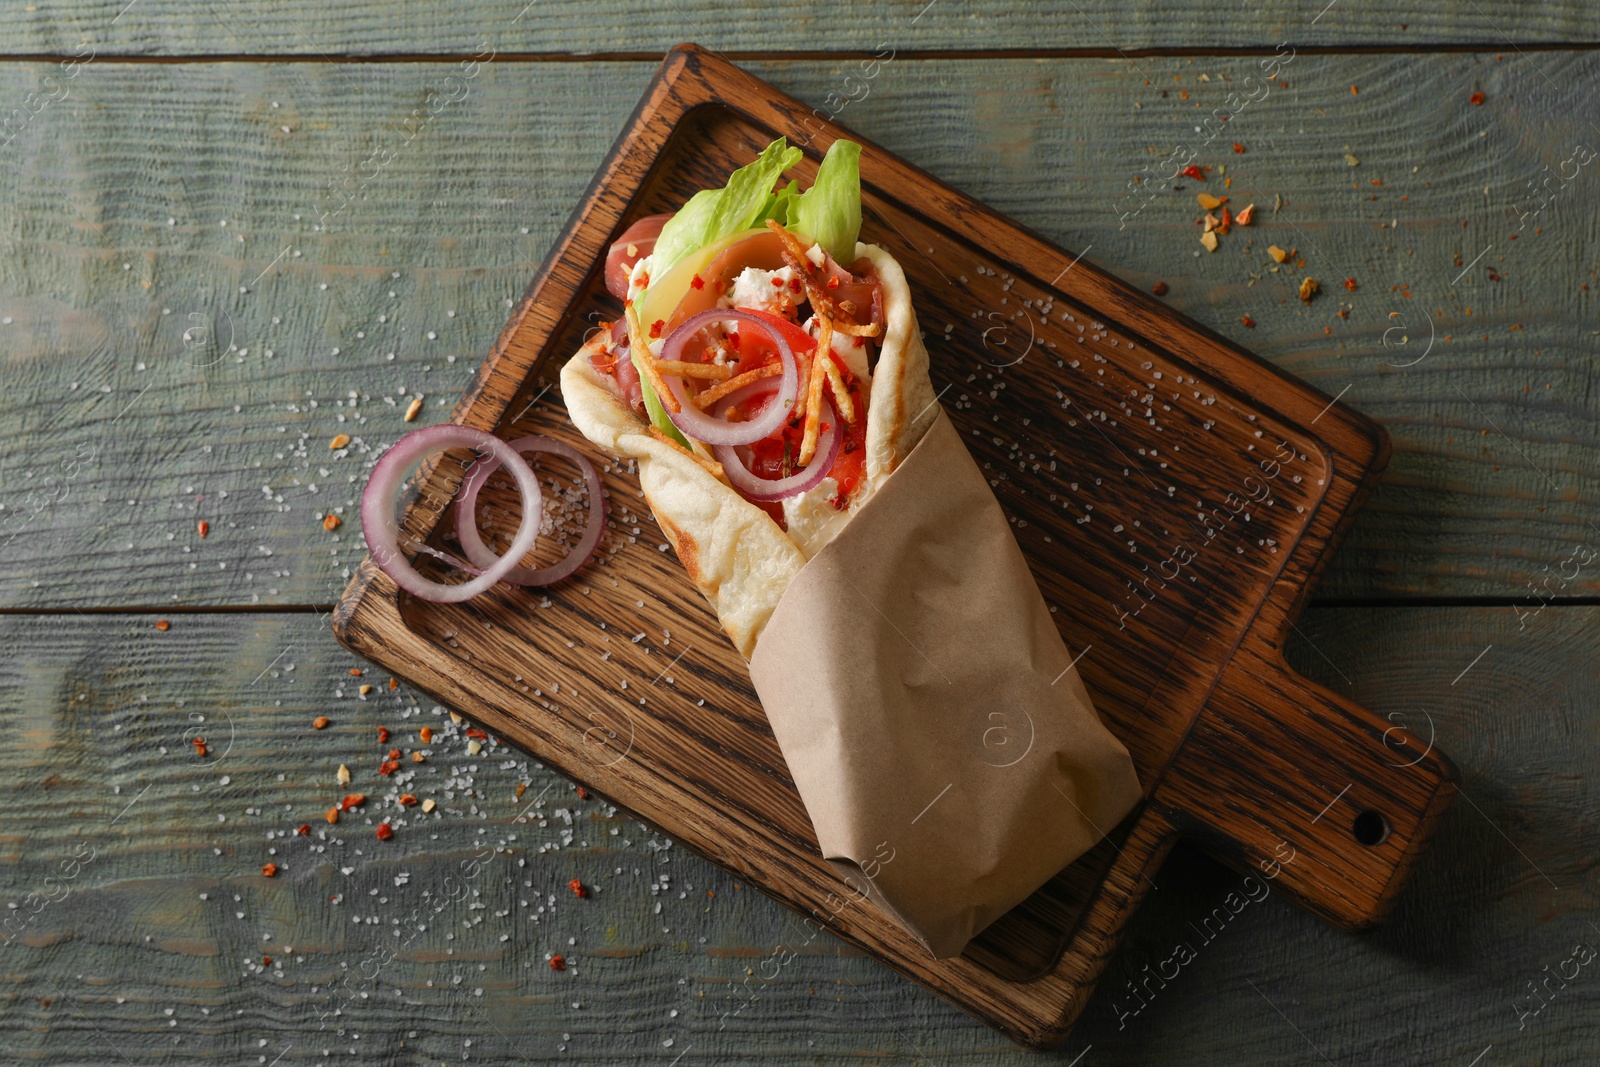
<point>234,231</point>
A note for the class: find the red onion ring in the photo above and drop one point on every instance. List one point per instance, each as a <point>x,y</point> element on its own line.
<point>714,431</point>
<point>382,531</point>
<point>479,553</point>
<point>755,487</point>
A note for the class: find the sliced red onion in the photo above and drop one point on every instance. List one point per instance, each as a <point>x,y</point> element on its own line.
<point>467,521</point>
<point>718,431</point>
<point>754,486</point>
<point>382,531</point>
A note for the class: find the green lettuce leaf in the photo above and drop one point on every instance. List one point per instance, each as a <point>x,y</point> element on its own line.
<point>712,214</point>
<point>652,404</point>
<point>830,211</point>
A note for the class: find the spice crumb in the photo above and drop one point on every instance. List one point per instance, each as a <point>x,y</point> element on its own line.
<point>163,625</point>
<point>578,888</point>
<point>339,441</point>
<point>412,408</point>
<point>270,870</point>
<point>385,831</point>
<point>320,722</point>
<point>343,775</point>
<point>558,962</point>
<point>429,805</point>
<point>203,527</point>
<point>331,521</point>
<point>1308,288</point>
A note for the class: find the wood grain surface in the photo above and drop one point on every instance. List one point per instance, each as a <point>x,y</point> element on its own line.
<point>566,27</point>
<point>1487,501</point>
<point>1467,508</point>
<point>100,712</point>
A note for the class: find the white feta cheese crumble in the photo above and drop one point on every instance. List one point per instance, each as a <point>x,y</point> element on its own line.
<point>754,288</point>
<point>816,255</point>
<point>850,354</point>
<point>637,276</point>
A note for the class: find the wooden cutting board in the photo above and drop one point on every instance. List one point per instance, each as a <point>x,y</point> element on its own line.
<point>1174,495</point>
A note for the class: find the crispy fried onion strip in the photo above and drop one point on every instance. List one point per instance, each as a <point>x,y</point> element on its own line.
<point>706,397</point>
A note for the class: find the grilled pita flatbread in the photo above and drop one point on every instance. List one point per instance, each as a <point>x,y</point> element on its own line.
<point>735,553</point>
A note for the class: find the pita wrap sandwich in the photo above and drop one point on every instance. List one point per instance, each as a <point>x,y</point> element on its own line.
<point>769,378</point>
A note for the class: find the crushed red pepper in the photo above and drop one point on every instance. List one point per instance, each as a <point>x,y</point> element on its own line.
<point>163,625</point>
<point>558,962</point>
<point>383,735</point>
<point>385,831</point>
<point>199,744</point>
<point>1192,171</point>
<point>270,870</point>
<point>578,888</point>
<point>203,528</point>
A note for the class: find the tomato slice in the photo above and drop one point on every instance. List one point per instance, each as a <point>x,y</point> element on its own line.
<point>773,457</point>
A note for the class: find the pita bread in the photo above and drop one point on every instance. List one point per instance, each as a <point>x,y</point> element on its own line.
<point>738,557</point>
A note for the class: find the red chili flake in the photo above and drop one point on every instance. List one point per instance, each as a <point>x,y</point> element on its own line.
<point>644,281</point>
<point>473,731</point>
<point>1192,171</point>
<point>1477,99</point>
<point>697,282</point>
<point>777,283</point>
<point>203,528</point>
<point>394,753</point>
<point>383,735</point>
<point>407,800</point>
<point>833,283</point>
<point>1238,148</point>
<point>163,625</point>
<point>558,962</point>
<point>1160,288</point>
<point>426,733</point>
<point>794,285</point>
<point>352,800</point>
<point>578,888</point>
<point>304,829</point>
<point>355,672</point>
<point>269,869</point>
<point>1350,284</point>
<point>583,794</point>
<point>656,326</point>
<point>199,744</point>
<point>393,685</point>
<point>388,767</point>
<point>385,831</point>
<point>1248,321</point>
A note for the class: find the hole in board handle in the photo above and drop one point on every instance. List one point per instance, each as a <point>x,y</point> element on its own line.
<point>1370,828</point>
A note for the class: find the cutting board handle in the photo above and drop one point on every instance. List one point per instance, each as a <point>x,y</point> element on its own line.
<point>1331,801</point>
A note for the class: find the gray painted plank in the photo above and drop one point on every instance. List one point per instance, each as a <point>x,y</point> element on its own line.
<point>152,943</point>
<point>117,248</point>
<point>366,27</point>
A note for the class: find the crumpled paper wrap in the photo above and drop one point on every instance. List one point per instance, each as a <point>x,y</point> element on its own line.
<point>929,712</point>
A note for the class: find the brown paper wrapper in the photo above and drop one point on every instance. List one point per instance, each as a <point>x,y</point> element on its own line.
<point>943,744</point>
